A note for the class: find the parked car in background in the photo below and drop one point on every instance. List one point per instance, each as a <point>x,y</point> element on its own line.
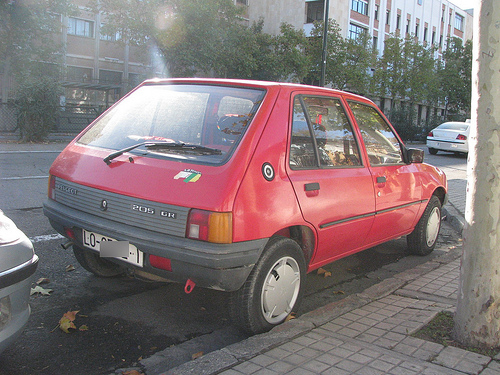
<point>240,186</point>
<point>18,263</point>
<point>449,136</point>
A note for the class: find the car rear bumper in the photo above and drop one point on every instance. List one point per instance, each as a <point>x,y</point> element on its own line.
<point>452,146</point>
<point>216,266</point>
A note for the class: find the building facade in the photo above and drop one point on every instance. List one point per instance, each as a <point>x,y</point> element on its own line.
<point>430,21</point>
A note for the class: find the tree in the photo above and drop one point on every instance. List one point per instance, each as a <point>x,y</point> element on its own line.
<point>477,320</point>
<point>455,78</point>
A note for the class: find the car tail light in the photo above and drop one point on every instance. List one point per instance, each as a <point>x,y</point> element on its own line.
<point>209,226</point>
<point>160,262</point>
<point>461,137</point>
<point>430,134</point>
<point>52,187</point>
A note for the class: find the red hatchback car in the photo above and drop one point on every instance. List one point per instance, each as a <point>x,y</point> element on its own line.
<point>241,186</point>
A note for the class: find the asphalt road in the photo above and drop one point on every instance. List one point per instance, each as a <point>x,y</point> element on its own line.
<point>129,320</point>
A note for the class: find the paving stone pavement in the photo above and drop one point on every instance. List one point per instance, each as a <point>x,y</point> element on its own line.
<point>373,338</point>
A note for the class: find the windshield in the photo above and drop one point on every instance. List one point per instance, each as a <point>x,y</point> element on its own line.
<point>459,127</point>
<point>194,119</point>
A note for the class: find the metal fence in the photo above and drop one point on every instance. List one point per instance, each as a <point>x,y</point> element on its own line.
<point>70,119</point>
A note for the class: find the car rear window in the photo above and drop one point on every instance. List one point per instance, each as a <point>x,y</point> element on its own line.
<point>458,127</point>
<point>208,120</point>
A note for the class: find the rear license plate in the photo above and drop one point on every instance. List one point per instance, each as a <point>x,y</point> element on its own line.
<point>93,240</point>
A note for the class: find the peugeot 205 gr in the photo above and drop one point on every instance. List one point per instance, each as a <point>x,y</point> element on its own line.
<point>240,186</point>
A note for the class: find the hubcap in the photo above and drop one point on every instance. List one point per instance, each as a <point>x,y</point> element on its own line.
<point>280,290</point>
<point>433,226</point>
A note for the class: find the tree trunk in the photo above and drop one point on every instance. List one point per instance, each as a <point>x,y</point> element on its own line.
<point>477,320</point>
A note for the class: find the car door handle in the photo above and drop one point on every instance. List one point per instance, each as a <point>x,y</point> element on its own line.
<point>312,186</point>
<point>381,180</point>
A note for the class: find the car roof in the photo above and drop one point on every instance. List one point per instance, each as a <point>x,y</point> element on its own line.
<point>256,83</point>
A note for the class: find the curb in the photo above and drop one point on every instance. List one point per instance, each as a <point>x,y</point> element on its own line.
<point>225,358</point>
<point>454,218</point>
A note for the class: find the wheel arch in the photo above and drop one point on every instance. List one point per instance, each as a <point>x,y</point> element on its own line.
<point>441,194</point>
<point>305,238</point>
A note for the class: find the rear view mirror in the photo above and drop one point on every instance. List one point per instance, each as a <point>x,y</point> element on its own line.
<point>414,155</point>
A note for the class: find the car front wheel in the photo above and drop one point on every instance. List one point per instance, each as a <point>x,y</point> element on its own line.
<point>92,262</point>
<point>433,151</point>
<point>273,289</point>
<point>424,237</point>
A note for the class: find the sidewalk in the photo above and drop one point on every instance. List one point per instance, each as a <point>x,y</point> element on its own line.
<point>367,333</point>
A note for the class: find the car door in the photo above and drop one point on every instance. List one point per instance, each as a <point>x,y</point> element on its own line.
<point>334,189</point>
<point>396,184</point>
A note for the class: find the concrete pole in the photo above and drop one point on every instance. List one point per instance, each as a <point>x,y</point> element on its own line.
<point>477,320</point>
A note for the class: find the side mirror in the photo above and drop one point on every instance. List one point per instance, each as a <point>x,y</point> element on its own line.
<point>414,155</point>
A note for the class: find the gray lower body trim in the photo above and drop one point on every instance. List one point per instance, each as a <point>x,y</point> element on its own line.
<point>216,266</point>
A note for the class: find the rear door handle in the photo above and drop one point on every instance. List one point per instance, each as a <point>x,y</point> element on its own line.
<point>312,186</point>
<point>381,180</point>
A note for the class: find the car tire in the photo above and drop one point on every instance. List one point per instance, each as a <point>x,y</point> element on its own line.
<point>256,308</point>
<point>423,239</point>
<point>92,262</point>
<point>433,151</point>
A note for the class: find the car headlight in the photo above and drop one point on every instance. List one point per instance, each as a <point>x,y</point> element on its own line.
<point>8,230</point>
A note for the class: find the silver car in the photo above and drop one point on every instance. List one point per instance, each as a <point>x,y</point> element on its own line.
<point>449,136</point>
<point>18,263</point>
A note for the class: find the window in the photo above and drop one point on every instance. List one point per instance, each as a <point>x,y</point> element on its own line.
<point>80,27</point>
<point>433,40</point>
<point>417,26</point>
<point>376,11</point>
<point>419,2</point>
<point>398,22</point>
<point>134,79</point>
<point>375,42</point>
<point>242,2</point>
<point>425,34</point>
<point>382,145</point>
<point>408,22</point>
<point>459,22</point>
<point>360,6</point>
<point>355,31</point>
<point>315,11</point>
<point>78,74</point>
<point>388,17</point>
<point>321,135</point>
<point>109,76</point>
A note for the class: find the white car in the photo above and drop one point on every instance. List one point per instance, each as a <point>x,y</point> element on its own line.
<point>449,136</point>
<point>18,263</point>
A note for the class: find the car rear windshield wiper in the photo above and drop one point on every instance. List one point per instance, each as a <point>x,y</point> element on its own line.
<point>115,154</point>
<point>184,146</point>
<point>165,146</point>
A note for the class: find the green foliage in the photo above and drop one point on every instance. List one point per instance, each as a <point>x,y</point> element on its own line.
<point>37,102</point>
<point>455,78</point>
<point>403,119</point>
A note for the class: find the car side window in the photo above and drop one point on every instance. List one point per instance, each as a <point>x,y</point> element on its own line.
<point>382,145</point>
<point>321,135</point>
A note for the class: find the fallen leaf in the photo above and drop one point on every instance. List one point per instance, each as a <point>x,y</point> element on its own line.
<point>66,322</point>
<point>70,268</point>
<point>290,317</point>
<point>132,372</point>
<point>42,280</point>
<point>320,271</point>
<point>83,328</point>
<point>196,355</point>
<point>39,290</point>
<point>327,274</point>
<point>339,292</point>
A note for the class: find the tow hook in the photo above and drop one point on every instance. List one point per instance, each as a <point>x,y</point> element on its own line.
<point>66,245</point>
<point>190,284</point>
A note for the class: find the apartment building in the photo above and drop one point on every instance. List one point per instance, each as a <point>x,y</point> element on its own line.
<point>431,21</point>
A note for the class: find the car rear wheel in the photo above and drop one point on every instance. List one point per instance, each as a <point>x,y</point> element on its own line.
<point>273,289</point>
<point>433,151</point>
<point>92,262</point>
<point>424,237</point>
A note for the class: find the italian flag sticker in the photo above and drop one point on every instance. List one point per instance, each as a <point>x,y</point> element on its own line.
<point>188,175</point>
